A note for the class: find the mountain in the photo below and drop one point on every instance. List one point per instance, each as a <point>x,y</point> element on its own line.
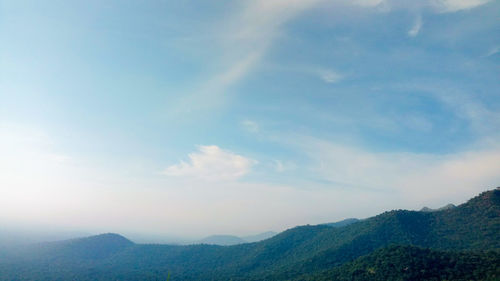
<point>222,240</point>
<point>470,228</point>
<point>229,240</point>
<point>447,207</point>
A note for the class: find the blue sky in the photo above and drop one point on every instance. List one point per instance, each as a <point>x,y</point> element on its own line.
<point>191,118</point>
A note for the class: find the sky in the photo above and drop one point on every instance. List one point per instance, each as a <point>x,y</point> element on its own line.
<point>191,118</point>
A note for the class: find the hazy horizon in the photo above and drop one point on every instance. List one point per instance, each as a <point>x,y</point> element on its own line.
<point>190,119</point>
<point>16,233</point>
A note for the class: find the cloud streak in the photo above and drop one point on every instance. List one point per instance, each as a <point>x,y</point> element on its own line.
<point>243,39</point>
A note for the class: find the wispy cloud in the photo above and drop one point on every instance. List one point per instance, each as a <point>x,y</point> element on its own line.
<point>416,27</point>
<point>330,76</point>
<point>483,121</point>
<point>439,6</point>
<point>212,163</point>
<point>492,51</point>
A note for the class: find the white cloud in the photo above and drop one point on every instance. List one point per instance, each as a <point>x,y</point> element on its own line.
<point>212,163</point>
<point>250,126</point>
<point>416,27</point>
<point>450,6</point>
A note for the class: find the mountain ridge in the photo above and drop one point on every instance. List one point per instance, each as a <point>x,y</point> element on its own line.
<point>472,226</point>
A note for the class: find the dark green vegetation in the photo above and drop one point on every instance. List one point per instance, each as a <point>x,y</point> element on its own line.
<point>465,243</point>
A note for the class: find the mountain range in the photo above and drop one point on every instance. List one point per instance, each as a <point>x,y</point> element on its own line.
<point>229,240</point>
<point>460,243</point>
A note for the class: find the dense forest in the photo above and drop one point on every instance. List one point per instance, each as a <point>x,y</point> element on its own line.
<point>413,263</point>
<point>459,243</point>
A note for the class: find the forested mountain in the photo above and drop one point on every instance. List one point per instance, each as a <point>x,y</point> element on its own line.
<point>304,252</point>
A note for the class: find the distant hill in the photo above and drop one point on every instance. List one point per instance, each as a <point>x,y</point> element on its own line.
<point>222,240</point>
<point>305,251</point>
<point>229,240</point>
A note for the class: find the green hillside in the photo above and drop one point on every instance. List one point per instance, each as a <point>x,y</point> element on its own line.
<point>413,263</point>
